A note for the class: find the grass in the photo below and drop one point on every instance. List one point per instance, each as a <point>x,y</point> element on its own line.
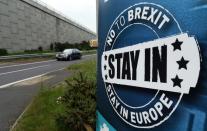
<point>41,114</point>
<point>88,67</point>
<point>89,52</point>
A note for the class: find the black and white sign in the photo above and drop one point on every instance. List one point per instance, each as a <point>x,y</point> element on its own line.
<point>169,65</point>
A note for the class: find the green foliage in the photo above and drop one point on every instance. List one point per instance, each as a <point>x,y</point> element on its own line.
<point>40,48</point>
<point>80,104</point>
<point>3,52</point>
<point>51,46</point>
<point>32,51</point>
<point>41,114</point>
<point>84,45</point>
<point>80,98</point>
<point>51,112</point>
<point>88,68</point>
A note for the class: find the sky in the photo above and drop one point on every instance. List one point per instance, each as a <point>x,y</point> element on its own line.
<point>81,11</point>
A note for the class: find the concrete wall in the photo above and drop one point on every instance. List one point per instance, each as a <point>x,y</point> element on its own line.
<point>24,24</point>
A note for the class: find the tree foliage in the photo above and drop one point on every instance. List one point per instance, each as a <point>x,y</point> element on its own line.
<point>80,104</point>
<point>84,45</point>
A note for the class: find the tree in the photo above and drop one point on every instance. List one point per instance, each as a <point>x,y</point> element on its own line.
<point>80,104</point>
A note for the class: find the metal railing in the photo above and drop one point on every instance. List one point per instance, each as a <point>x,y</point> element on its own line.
<point>11,57</point>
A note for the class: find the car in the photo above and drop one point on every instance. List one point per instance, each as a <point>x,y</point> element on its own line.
<point>69,54</point>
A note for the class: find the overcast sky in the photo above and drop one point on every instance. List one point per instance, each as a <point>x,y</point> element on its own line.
<point>82,11</point>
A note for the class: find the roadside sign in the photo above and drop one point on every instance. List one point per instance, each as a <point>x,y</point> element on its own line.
<point>151,65</point>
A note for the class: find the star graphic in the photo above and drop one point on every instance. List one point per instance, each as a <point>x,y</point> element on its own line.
<point>183,63</point>
<point>105,57</point>
<point>177,45</point>
<point>105,67</point>
<point>106,77</point>
<point>177,81</point>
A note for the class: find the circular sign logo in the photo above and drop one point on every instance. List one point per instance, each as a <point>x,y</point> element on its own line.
<point>148,64</point>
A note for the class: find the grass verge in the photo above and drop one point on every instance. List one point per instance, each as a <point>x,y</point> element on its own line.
<point>41,114</point>
<point>89,52</point>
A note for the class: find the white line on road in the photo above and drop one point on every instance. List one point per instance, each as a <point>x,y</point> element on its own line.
<point>89,55</point>
<point>23,70</point>
<point>7,85</point>
<point>33,77</point>
<point>3,64</point>
<point>30,78</point>
<point>26,64</point>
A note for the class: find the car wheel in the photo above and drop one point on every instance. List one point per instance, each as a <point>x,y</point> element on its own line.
<point>69,58</point>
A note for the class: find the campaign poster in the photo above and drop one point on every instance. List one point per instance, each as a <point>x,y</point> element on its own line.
<point>152,65</point>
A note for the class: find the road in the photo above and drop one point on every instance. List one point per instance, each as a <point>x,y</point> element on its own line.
<point>19,83</point>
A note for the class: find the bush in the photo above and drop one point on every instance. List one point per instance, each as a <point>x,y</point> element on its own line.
<point>51,46</point>
<point>80,104</point>
<point>32,51</point>
<point>3,52</point>
<point>84,45</point>
<point>40,48</point>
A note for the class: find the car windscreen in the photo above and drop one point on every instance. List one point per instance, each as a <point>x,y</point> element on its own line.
<point>67,51</point>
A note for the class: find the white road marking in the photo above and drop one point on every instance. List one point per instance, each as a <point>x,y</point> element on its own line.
<point>30,78</point>
<point>23,70</point>
<point>89,55</point>
<point>26,64</point>
<point>9,84</point>
<point>3,64</point>
<point>33,77</point>
<point>36,62</point>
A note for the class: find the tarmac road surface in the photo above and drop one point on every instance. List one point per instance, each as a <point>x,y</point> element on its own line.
<point>19,84</point>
